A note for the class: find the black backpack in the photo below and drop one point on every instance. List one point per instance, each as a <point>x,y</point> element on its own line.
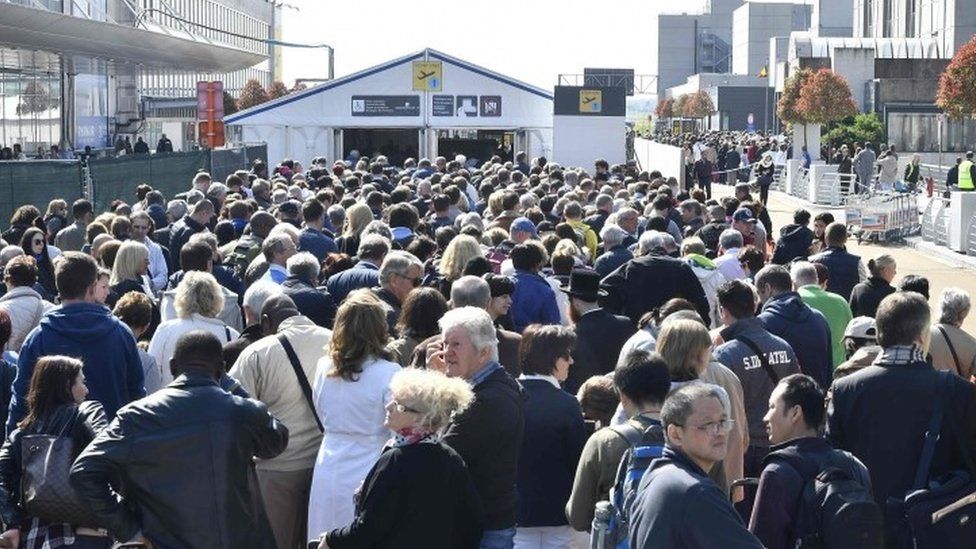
<point>835,510</point>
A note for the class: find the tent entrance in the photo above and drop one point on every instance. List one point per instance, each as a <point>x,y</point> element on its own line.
<point>396,144</point>
<point>479,145</point>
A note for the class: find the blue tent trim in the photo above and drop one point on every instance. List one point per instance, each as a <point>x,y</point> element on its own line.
<point>434,54</point>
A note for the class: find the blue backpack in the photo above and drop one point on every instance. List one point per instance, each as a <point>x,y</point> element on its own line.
<point>645,446</point>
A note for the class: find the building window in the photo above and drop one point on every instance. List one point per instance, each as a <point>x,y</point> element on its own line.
<point>869,18</point>
<point>911,12</point>
<point>888,19</point>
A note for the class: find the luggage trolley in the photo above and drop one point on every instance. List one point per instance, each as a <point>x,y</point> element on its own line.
<point>882,217</point>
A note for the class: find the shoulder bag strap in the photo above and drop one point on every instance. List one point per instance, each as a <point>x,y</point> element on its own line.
<point>302,379</point>
<point>952,349</point>
<point>762,358</point>
<point>932,434</point>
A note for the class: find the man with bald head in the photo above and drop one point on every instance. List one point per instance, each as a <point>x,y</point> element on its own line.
<point>278,370</point>
<point>186,455</point>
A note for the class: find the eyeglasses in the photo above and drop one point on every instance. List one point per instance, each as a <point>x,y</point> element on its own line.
<point>401,408</point>
<point>37,242</point>
<point>415,281</point>
<point>713,428</point>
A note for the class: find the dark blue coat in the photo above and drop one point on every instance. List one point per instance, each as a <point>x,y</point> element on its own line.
<point>551,445</point>
<point>316,243</point>
<point>794,241</point>
<point>315,303</point>
<point>842,267</point>
<point>805,329</point>
<point>533,301</point>
<point>362,275</point>
<point>612,259</point>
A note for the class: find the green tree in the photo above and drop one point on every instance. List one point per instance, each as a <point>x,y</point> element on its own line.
<point>957,92</point>
<point>861,127</point>
<point>252,94</point>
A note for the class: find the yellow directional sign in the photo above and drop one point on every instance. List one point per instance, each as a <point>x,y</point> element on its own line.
<point>428,76</point>
<point>591,100</point>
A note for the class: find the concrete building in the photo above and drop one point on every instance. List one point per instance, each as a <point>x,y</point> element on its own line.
<point>685,44</point>
<point>72,72</point>
<point>951,23</point>
<point>754,24</point>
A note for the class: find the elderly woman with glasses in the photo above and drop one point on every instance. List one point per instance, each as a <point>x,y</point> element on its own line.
<point>419,493</point>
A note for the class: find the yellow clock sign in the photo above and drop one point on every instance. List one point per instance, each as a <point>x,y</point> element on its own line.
<point>591,100</point>
<point>428,76</point>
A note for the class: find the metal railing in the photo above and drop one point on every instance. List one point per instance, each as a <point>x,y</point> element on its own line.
<point>934,215</point>
<point>971,249</point>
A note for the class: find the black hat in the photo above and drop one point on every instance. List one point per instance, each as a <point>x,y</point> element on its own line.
<point>584,284</point>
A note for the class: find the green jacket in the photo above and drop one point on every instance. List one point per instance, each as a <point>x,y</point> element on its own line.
<point>838,314</point>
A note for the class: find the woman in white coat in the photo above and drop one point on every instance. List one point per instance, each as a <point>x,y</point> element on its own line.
<point>199,299</point>
<point>351,391</point>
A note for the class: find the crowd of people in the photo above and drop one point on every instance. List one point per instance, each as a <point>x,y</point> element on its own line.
<point>519,354</point>
<point>731,156</point>
<point>123,145</point>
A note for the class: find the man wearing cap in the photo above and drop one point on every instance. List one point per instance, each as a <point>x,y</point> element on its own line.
<point>266,372</point>
<point>744,222</point>
<point>860,341</point>
<point>599,334</point>
<point>522,229</point>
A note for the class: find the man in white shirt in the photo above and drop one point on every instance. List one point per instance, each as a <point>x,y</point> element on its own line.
<point>158,272</point>
<point>728,260</point>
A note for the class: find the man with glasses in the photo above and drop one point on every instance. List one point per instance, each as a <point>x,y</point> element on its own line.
<point>142,225</point>
<point>400,273</point>
<point>677,505</point>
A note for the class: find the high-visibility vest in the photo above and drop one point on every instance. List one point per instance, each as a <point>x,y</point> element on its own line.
<point>966,176</point>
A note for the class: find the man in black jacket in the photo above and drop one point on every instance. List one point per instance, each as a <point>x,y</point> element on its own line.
<point>845,269</point>
<point>600,334</point>
<point>648,281</point>
<point>677,505</point>
<point>881,413</point>
<point>315,303</point>
<point>192,223</point>
<point>186,456</point>
<point>487,435</point>
<point>797,454</point>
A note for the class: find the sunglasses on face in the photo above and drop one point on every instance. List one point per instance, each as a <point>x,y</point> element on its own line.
<point>35,242</point>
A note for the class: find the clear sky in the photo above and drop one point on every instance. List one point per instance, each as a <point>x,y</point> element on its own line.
<point>530,40</point>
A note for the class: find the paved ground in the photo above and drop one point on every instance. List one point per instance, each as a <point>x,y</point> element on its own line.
<point>942,267</point>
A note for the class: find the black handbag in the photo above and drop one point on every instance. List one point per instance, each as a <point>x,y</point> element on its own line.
<point>46,491</point>
<point>941,512</point>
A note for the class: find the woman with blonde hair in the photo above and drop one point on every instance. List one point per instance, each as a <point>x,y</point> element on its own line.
<point>129,271</point>
<point>419,493</point>
<point>198,302</point>
<point>357,217</point>
<point>457,254</point>
<point>351,390</point>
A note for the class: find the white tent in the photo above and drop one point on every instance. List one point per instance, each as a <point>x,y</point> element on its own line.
<point>426,104</point>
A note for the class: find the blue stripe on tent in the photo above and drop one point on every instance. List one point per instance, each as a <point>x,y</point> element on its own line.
<point>485,73</point>
<point>236,117</point>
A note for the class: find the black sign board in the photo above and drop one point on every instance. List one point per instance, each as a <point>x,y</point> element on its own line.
<point>490,105</point>
<point>442,105</point>
<point>386,105</point>
<point>578,100</point>
<point>467,105</point>
<point>610,78</point>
